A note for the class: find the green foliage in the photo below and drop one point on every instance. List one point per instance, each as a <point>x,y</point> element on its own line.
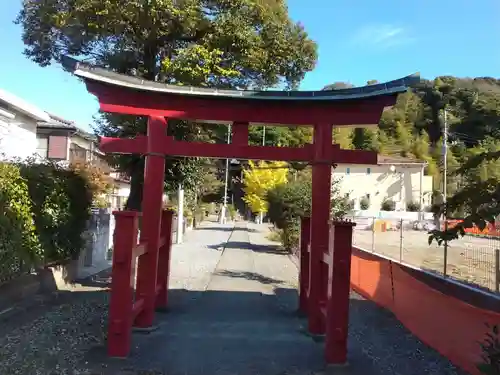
<point>388,205</point>
<point>231,211</point>
<point>18,240</point>
<point>365,139</point>
<point>491,352</point>
<point>61,201</point>
<point>288,203</point>
<point>224,44</point>
<point>413,207</point>
<point>349,203</point>
<point>364,203</point>
<point>414,128</point>
<point>99,184</point>
<point>45,209</point>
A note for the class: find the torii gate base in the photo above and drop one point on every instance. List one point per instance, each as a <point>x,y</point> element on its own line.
<point>334,276</point>
<point>125,310</point>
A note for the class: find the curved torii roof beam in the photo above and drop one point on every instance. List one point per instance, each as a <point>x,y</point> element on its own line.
<point>119,93</point>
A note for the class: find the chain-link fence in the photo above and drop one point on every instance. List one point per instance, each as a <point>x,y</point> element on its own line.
<point>472,259</point>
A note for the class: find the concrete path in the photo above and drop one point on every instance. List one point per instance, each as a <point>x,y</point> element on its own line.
<point>233,306</point>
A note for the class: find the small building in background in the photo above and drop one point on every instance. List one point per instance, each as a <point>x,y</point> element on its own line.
<point>394,179</point>
<point>28,131</point>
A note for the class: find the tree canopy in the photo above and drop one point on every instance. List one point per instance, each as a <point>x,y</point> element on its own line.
<point>254,44</point>
<point>224,44</point>
<point>259,179</point>
<point>414,128</point>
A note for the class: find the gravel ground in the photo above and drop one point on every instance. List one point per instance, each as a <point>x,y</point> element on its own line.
<point>55,341</point>
<point>65,333</point>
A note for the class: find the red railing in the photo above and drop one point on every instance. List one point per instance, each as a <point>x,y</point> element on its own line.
<point>335,268</point>
<point>125,304</point>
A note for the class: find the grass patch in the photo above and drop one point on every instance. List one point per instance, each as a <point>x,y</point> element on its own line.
<point>275,235</point>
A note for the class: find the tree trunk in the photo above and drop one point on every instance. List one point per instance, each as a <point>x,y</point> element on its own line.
<point>134,201</point>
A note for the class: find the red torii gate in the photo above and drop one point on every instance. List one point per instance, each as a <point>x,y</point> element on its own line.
<point>322,109</point>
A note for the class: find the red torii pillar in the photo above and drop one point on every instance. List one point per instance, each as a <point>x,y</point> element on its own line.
<point>152,202</point>
<point>320,216</point>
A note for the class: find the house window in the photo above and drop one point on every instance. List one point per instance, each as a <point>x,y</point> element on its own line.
<point>368,170</point>
<point>58,147</point>
<point>348,171</point>
<point>42,146</point>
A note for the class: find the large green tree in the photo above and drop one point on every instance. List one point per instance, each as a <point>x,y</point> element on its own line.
<point>479,197</point>
<point>224,43</point>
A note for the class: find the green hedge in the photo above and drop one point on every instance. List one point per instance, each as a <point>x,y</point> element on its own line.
<point>19,243</point>
<point>45,212</point>
<point>289,202</point>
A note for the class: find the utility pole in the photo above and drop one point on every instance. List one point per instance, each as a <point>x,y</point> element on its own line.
<point>222,218</point>
<point>445,182</point>
<point>261,215</point>
<point>445,155</point>
<point>180,214</point>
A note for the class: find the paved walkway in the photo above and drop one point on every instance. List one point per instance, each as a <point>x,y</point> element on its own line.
<point>232,311</point>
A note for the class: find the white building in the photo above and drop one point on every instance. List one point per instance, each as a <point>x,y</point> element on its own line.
<point>399,179</point>
<point>27,131</point>
<point>18,126</point>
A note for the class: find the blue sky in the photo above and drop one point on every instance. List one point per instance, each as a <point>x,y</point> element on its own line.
<point>358,40</point>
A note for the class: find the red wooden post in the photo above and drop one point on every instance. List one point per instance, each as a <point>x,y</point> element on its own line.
<point>305,237</point>
<point>240,133</point>
<point>122,284</point>
<point>164,259</point>
<point>151,219</point>
<point>337,317</point>
<point>321,187</point>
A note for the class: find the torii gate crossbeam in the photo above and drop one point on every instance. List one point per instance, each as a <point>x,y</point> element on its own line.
<point>322,109</point>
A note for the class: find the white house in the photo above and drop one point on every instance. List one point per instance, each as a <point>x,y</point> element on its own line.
<point>399,179</point>
<point>18,126</point>
<point>27,131</point>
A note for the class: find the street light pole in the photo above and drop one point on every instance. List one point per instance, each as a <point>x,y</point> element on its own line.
<point>445,155</point>
<point>222,218</point>
<point>445,182</point>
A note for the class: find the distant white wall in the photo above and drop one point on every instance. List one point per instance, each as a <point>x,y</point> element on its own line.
<point>402,186</point>
<point>392,215</point>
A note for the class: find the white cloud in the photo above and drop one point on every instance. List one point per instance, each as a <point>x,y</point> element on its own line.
<point>381,36</point>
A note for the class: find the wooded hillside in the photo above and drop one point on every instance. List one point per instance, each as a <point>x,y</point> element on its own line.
<point>414,127</point>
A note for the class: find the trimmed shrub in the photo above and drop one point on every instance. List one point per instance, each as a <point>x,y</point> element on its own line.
<point>288,203</point>
<point>413,207</point>
<point>388,205</point>
<point>364,203</point>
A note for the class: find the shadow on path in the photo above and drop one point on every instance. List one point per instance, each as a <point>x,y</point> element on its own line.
<point>247,275</point>
<point>241,245</point>
<point>226,229</point>
<point>229,333</point>
<point>250,333</point>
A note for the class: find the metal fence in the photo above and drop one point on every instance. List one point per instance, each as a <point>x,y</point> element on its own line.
<point>472,259</point>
